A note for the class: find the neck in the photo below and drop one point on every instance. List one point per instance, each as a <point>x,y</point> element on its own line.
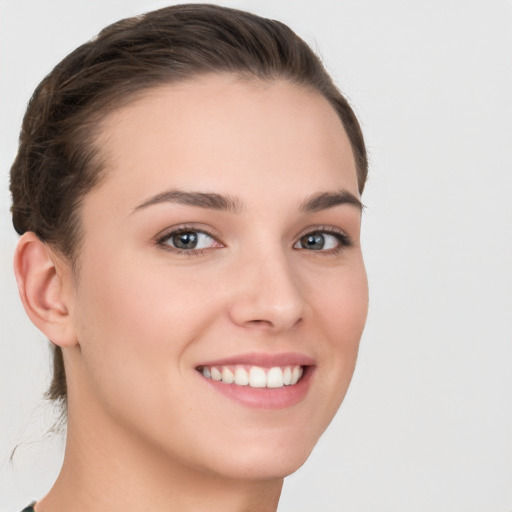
<point>118,472</point>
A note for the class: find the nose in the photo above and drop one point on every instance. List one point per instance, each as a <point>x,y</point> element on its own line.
<point>266,294</point>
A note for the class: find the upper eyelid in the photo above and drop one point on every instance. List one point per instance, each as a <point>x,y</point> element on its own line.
<point>167,232</point>
<point>332,230</point>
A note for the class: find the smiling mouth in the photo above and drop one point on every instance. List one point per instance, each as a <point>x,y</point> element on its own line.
<point>254,376</point>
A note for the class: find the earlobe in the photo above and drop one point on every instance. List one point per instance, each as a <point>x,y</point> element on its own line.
<point>42,290</point>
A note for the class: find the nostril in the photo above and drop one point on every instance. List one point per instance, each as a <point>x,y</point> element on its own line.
<point>260,323</point>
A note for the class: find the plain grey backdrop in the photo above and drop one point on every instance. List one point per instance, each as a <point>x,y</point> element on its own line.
<point>427,423</point>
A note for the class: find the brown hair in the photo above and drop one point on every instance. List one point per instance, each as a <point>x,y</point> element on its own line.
<point>58,163</point>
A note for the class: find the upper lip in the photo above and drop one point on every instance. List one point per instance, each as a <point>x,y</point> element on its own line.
<point>265,360</point>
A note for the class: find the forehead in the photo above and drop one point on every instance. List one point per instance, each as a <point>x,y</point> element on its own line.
<point>221,131</point>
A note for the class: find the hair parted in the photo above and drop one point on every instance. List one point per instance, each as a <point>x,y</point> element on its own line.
<point>58,162</point>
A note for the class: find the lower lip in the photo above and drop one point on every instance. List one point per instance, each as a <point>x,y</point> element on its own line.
<point>265,398</point>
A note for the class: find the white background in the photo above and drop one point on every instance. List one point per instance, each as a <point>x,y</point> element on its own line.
<point>427,423</point>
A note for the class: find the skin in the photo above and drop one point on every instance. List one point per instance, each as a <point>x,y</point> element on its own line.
<point>145,430</point>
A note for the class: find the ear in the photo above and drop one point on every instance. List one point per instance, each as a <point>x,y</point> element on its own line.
<point>42,287</point>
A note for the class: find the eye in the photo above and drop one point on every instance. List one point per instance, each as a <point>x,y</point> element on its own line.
<point>188,240</point>
<point>322,241</point>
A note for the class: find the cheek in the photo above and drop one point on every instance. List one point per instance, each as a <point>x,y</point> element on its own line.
<point>137,320</point>
<point>136,324</point>
<point>343,306</point>
<point>126,294</point>
<point>341,312</point>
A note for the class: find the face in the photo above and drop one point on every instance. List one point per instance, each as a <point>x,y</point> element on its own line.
<point>222,292</point>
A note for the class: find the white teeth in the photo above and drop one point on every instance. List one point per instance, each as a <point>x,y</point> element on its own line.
<point>287,376</point>
<point>227,376</point>
<point>296,374</point>
<point>256,377</point>
<point>275,378</point>
<point>241,376</point>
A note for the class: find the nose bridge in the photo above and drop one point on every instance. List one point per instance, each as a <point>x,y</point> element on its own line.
<point>267,290</point>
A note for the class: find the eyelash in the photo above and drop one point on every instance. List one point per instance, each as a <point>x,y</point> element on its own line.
<point>343,239</point>
<point>185,252</point>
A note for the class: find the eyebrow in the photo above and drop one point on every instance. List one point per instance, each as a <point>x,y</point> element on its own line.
<point>325,200</point>
<point>201,199</point>
<point>213,201</point>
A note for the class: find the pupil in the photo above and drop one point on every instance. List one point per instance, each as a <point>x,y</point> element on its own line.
<point>314,241</point>
<point>186,240</point>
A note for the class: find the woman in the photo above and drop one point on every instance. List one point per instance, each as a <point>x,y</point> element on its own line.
<point>187,191</point>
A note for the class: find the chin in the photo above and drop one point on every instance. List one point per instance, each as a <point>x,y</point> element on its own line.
<point>263,468</point>
<point>265,459</point>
